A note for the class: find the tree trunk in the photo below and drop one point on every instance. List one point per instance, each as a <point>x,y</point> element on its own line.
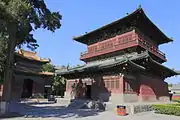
<point>6,97</point>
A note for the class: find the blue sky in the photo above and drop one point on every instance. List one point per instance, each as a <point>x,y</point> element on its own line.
<point>80,16</point>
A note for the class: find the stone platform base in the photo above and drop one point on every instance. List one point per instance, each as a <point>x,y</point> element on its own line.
<point>133,108</point>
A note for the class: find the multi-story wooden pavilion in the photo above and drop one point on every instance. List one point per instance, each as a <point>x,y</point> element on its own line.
<point>123,62</point>
<point>28,78</point>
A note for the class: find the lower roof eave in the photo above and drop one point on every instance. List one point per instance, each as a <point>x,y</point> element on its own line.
<point>100,68</point>
<point>169,72</point>
<point>108,64</point>
<point>33,73</point>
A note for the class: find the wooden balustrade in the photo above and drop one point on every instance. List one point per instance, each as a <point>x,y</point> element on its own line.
<point>120,42</point>
<point>114,44</point>
<point>146,44</point>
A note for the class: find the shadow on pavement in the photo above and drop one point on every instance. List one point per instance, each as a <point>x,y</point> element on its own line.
<point>11,115</point>
<point>44,111</point>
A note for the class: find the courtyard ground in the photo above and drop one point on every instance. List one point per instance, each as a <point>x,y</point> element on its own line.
<point>57,112</point>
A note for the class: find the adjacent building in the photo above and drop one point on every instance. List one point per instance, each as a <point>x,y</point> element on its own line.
<point>28,78</point>
<point>175,91</point>
<point>123,62</point>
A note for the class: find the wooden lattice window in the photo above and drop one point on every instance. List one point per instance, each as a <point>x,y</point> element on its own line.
<point>112,84</point>
<point>117,84</point>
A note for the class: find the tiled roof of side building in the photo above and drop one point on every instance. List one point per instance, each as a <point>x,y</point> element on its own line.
<point>26,70</point>
<point>30,55</point>
<point>175,87</point>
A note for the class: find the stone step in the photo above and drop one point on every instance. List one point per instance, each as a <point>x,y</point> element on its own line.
<point>63,101</point>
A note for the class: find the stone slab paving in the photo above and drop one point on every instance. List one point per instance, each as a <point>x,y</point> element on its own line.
<point>107,116</point>
<point>59,112</point>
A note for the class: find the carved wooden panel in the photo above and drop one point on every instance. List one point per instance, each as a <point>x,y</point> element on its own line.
<point>113,44</point>
<point>123,41</point>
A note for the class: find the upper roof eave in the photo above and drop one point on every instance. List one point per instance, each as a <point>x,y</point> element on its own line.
<point>81,38</point>
<point>35,73</point>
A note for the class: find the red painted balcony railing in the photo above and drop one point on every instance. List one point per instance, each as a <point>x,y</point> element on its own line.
<point>144,42</point>
<point>120,42</point>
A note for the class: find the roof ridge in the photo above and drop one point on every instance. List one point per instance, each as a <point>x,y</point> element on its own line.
<point>137,10</point>
<point>137,14</point>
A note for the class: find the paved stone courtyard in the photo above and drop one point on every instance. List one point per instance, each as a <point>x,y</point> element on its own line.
<point>58,112</point>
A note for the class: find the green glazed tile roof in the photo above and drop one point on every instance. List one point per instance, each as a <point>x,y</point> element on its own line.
<point>118,60</point>
<point>107,63</point>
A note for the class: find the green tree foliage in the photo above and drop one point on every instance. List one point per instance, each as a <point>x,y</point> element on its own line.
<point>28,16</point>
<point>3,51</point>
<point>170,85</point>
<point>48,67</point>
<point>59,83</point>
